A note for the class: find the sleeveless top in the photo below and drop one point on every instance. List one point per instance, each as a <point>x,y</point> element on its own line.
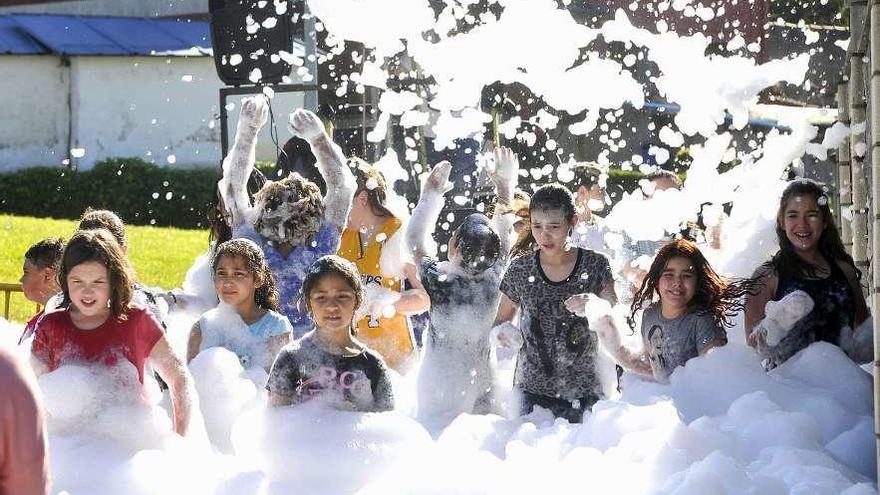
<point>833,310</point>
<point>390,337</point>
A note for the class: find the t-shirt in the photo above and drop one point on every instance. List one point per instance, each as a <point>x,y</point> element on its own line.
<point>559,352</point>
<point>24,462</point>
<point>30,326</point>
<point>249,345</point>
<point>59,342</point>
<point>390,337</point>
<point>303,371</point>
<point>290,270</point>
<point>670,343</point>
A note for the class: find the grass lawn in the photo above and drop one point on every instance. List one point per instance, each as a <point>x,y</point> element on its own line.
<point>160,256</point>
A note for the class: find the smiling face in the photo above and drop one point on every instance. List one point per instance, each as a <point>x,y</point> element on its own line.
<point>803,222</point>
<point>332,303</point>
<point>677,286</point>
<point>88,284</point>
<point>550,228</point>
<point>234,282</point>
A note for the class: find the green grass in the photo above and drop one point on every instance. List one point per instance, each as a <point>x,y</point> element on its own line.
<point>160,256</point>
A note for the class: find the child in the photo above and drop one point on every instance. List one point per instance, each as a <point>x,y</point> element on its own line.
<point>373,241</point>
<point>810,288</point>
<point>98,323</point>
<point>557,364</point>
<point>39,278</point>
<point>329,361</point>
<point>687,320</point>
<point>456,374</point>
<point>243,281</point>
<point>290,220</point>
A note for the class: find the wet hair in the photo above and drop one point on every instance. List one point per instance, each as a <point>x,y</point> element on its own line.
<point>367,175</point>
<point>333,265</point>
<point>45,253</point>
<point>266,295</point>
<point>104,219</point>
<point>548,197</point>
<point>219,229</point>
<point>586,174</point>
<point>477,243</point>
<point>309,210</point>
<point>664,174</point>
<point>714,296</point>
<point>786,261</point>
<point>524,240</point>
<point>99,245</point>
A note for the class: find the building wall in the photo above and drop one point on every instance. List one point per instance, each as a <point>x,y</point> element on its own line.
<point>34,102</point>
<point>160,109</point>
<point>137,8</point>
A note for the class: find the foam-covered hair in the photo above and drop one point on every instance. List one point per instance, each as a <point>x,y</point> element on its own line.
<point>478,243</point>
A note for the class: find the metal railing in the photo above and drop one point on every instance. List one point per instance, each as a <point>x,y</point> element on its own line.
<point>7,289</point>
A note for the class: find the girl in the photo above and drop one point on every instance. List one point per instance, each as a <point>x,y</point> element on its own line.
<point>813,279</point>
<point>372,239</point>
<point>556,367</point>
<point>687,319</point>
<point>243,281</point>
<point>329,361</point>
<point>97,321</point>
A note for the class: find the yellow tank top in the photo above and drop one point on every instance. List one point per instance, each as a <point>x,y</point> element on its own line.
<point>390,337</point>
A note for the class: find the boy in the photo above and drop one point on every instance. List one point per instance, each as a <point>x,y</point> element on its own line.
<point>38,280</point>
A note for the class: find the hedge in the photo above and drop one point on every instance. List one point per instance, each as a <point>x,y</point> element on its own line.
<point>140,192</point>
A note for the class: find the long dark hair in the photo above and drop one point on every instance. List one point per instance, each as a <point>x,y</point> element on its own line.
<point>266,295</point>
<point>715,296</point>
<point>101,246</point>
<point>372,181</point>
<point>786,261</point>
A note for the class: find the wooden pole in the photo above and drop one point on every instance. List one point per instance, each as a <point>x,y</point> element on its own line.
<point>844,174</point>
<point>874,94</point>
<point>858,106</point>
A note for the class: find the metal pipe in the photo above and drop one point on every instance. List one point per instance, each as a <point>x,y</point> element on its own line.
<point>310,45</point>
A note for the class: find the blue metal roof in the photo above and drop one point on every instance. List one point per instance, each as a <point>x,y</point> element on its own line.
<point>27,34</point>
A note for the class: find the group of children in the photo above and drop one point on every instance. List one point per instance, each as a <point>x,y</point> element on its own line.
<point>301,306</point>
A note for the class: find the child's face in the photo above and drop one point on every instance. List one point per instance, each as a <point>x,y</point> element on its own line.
<point>677,284</point>
<point>89,287</point>
<point>234,282</point>
<point>332,303</point>
<point>550,228</point>
<point>38,284</point>
<point>803,222</point>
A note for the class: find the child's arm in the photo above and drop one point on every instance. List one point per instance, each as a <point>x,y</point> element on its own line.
<point>505,176</point>
<point>598,312</point>
<point>755,303</point>
<point>424,216</point>
<point>239,163</point>
<point>331,164</point>
<point>183,393</point>
<point>194,344</point>
<point>415,299</point>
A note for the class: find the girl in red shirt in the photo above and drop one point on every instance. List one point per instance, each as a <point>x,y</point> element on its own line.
<point>97,322</point>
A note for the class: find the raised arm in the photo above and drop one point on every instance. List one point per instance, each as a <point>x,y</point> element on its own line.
<point>239,163</point>
<point>505,176</point>
<point>424,216</point>
<point>331,164</point>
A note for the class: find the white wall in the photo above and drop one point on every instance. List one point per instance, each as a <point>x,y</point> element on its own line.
<point>33,111</point>
<point>143,107</point>
<point>137,8</point>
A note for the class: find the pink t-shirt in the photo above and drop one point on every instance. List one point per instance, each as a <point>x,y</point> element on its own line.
<point>24,462</point>
<point>58,341</point>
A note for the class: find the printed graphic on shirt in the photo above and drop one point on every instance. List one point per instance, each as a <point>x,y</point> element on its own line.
<point>670,343</point>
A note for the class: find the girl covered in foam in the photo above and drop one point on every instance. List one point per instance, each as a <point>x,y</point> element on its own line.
<point>329,363</point>
<point>97,322</point>
<point>247,291</point>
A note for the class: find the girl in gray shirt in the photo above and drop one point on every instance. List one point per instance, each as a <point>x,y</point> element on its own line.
<point>693,306</point>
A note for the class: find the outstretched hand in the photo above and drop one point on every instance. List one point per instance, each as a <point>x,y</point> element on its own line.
<point>305,124</point>
<point>506,168</point>
<point>438,179</point>
<point>254,112</point>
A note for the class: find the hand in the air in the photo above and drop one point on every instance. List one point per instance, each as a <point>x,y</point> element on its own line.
<point>254,112</point>
<point>306,125</point>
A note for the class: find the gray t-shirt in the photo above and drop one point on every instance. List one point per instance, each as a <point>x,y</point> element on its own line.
<point>559,352</point>
<point>303,371</point>
<point>671,343</point>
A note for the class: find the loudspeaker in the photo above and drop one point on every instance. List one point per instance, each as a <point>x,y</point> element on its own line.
<point>248,35</point>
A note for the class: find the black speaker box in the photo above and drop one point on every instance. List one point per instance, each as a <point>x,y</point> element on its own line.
<point>243,40</point>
